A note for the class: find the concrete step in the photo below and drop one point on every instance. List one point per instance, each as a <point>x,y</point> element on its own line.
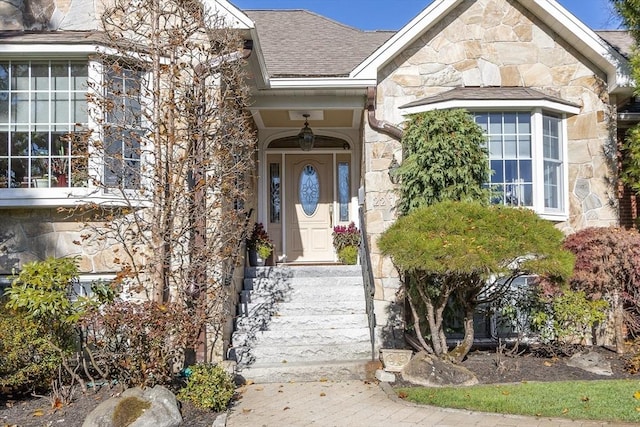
<point>347,306</point>
<point>301,294</point>
<point>287,323</point>
<point>306,372</point>
<point>300,337</point>
<point>274,354</point>
<point>271,285</point>
<point>286,272</point>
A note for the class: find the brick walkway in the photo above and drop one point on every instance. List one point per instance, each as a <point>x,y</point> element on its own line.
<point>356,404</point>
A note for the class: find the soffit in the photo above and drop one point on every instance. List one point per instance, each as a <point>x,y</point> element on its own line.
<point>290,118</point>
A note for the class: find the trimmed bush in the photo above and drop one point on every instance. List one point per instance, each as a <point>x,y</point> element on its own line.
<point>208,387</point>
<point>28,360</point>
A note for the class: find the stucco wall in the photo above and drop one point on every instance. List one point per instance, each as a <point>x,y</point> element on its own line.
<point>493,43</point>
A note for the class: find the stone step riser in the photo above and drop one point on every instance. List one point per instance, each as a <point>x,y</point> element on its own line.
<point>305,295</point>
<point>319,308</point>
<point>295,354</point>
<point>301,337</point>
<point>286,286</point>
<point>282,272</point>
<point>345,371</point>
<point>286,323</point>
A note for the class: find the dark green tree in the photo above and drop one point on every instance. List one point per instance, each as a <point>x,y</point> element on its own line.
<point>629,11</point>
<point>471,253</point>
<point>444,158</point>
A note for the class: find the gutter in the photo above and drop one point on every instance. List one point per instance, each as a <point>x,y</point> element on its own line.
<point>381,126</point>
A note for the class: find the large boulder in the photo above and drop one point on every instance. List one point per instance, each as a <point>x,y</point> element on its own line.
<point>429,371</point>
<point>136,407</point>
<point>592,362</point>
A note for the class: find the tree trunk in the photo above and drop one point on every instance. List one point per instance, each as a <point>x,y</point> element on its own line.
<point>461,350</point>
<point>618,321</point>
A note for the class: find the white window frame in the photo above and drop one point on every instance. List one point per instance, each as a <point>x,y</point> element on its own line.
<point>537,108</point>
<point>537,162</point>
<point>68,196</point>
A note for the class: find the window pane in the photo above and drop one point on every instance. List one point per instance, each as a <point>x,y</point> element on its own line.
<point>526,174</point>
<point>482,119</point>
<point>509,123</point>
<point>495,124</point>
<point>59,77</point>
<point>274,193</point>
<point>524,123</point>
<point>4,107</point>
<point>40,108</point>
<point>309,190</point>
<point>551,185</point>
<point>40,76</point>
<point>4,76</point>
<point>524,146</point>
<point>79,76</point>
<point>343,190</point>
<point>19,76</point>
<point>495,146</point>
<point>510,171</point>
<point>510,146</point>
<point>498,171</point>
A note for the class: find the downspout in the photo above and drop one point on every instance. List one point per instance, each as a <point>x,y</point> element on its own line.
<point>380,125</point>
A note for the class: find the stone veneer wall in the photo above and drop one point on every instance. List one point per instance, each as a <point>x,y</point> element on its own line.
<point>35,234</point>
<point>490,43</point>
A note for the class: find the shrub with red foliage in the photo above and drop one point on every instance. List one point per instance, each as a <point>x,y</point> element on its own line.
<point>608,265</point>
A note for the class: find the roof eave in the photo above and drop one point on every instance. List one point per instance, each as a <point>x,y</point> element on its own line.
<point>493,104</point>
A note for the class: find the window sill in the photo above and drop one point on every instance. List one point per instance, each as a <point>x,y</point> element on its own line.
<point>554,216</point>
<point>55,197</point>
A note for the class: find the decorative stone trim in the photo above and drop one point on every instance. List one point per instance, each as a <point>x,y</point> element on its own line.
<point>394,359</point>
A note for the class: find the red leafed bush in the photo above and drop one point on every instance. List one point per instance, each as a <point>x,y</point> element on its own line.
<point>608,265</point>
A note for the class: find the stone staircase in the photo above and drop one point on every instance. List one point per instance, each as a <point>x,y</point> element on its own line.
<point>301,324</point>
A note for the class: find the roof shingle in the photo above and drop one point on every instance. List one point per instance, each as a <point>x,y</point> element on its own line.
<point>298,43</point>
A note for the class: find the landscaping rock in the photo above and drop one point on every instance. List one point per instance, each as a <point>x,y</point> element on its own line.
<point>136,407</point>
<point>591,362</point>
<point>385,377</point>
<point>429,371</point>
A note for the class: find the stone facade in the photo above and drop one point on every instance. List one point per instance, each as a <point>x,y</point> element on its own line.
<point>493,43</point>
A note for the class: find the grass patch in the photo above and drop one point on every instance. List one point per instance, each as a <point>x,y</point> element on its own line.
<point>609,400</point>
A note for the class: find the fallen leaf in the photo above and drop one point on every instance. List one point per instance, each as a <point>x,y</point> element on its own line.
<point>548,364</point>
<point>259,388</point>
<point>565,410</point>
<point>38,413</point>
<point>584,398</point>
<point>285,408</point>
<point>506,393</point>
<point>280,391</point>
<point>284,361</point>
<point>323,394</point>
<point>323,380</point>
<point>637,394</point>
<point>402,395</point>
<point>246,410</point>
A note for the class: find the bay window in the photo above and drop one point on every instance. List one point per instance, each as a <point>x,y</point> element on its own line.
<point>527,159</point>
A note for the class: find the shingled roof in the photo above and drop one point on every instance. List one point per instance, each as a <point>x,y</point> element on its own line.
<point>299,43</point>
<point>620,40</point>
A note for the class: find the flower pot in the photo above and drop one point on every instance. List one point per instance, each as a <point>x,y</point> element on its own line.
<point>62,180</point>
<point>254,258</point>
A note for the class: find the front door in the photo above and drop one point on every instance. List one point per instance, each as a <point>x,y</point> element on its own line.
<point>309,208</point>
